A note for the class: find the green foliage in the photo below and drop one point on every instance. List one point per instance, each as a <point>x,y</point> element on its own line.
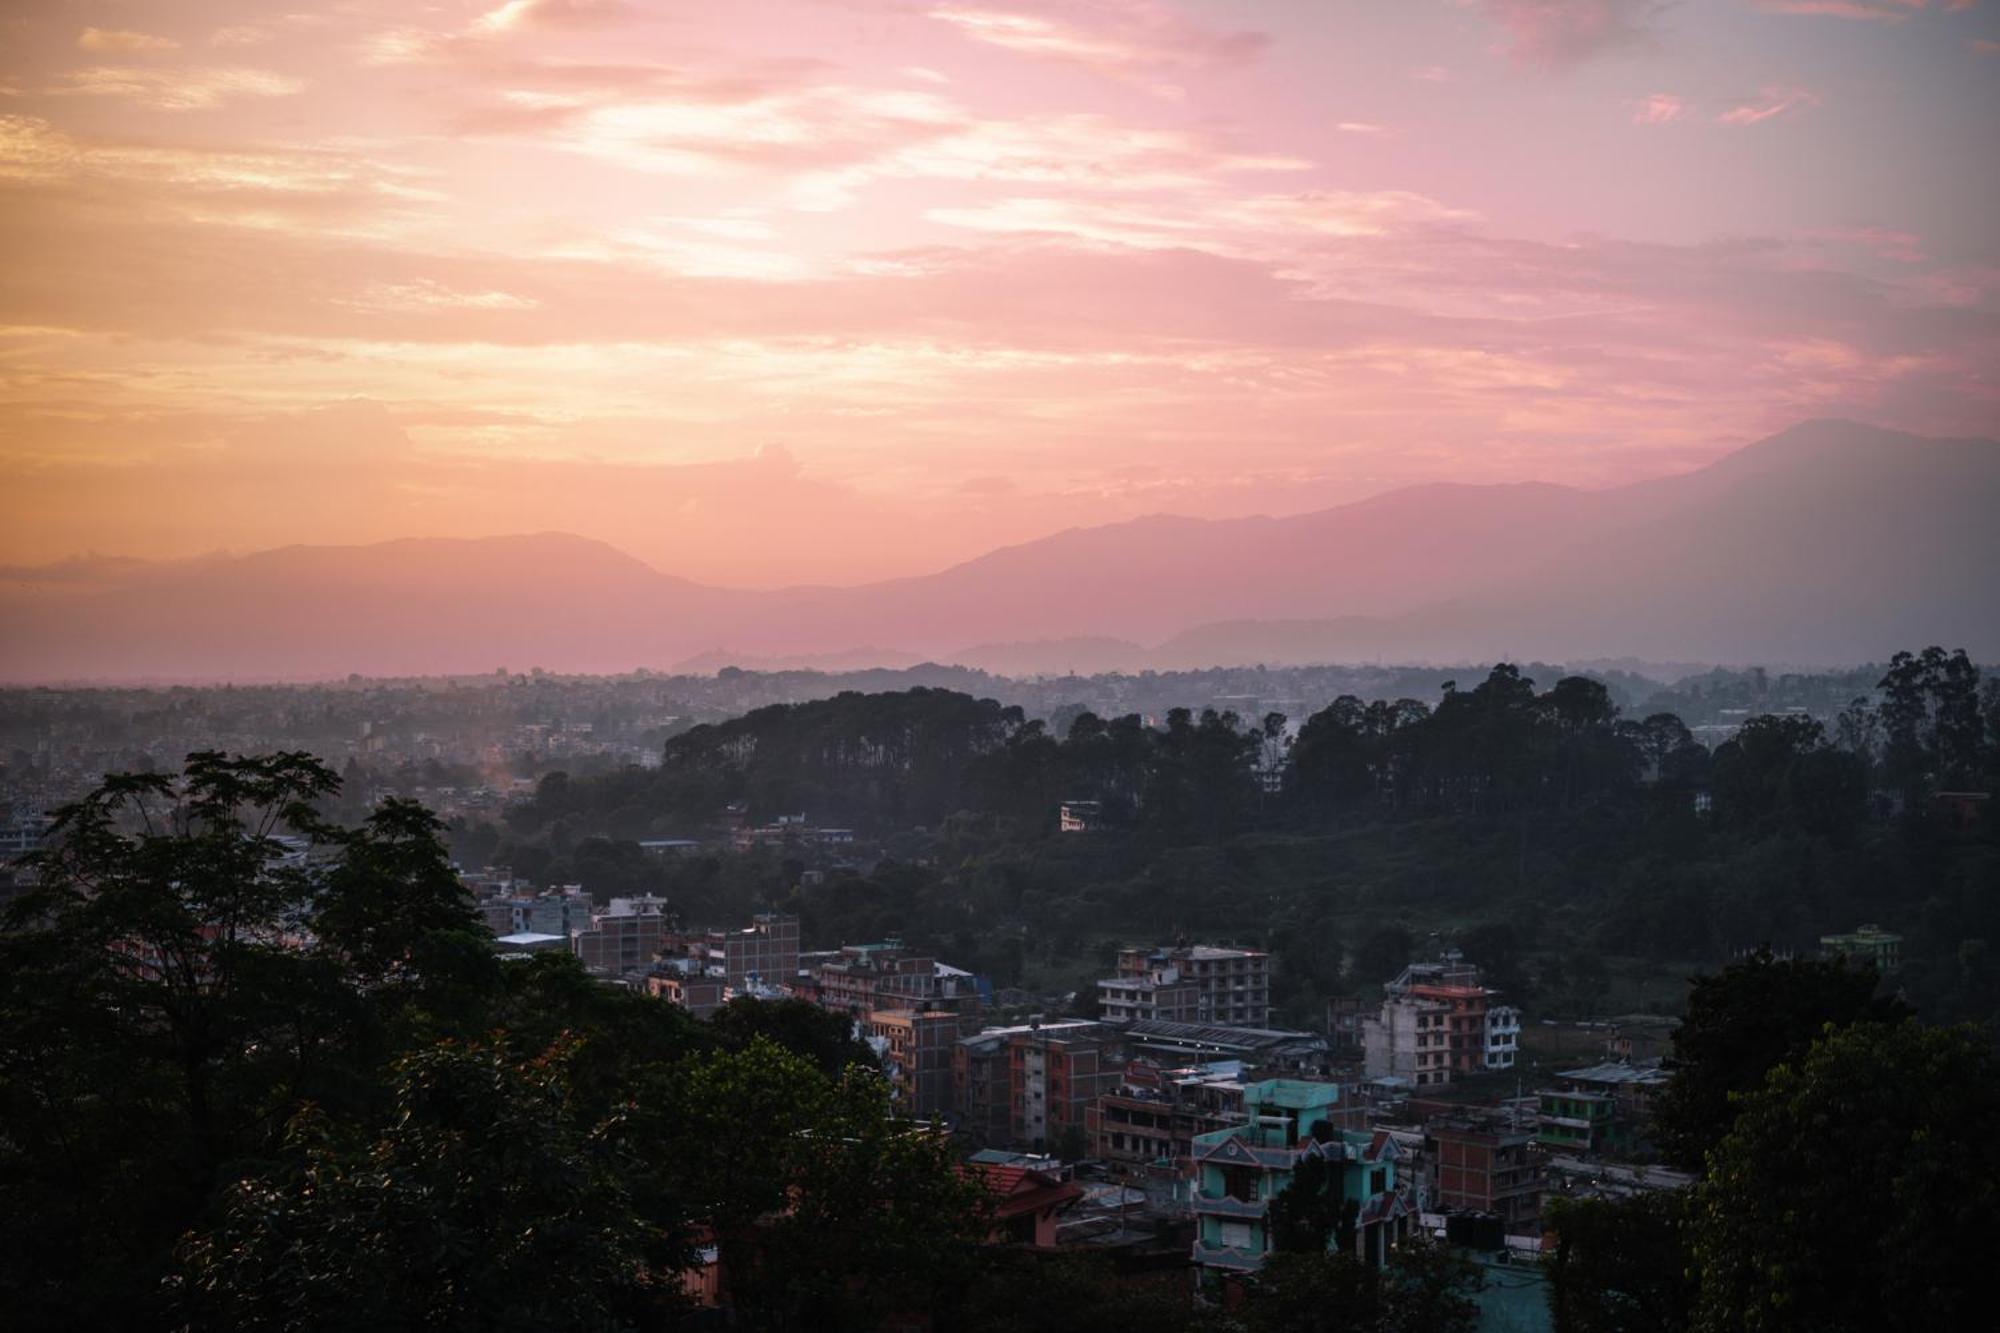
<point>1425,1288</point>
<point>1620,1265</point>
<point>1859,1189</point>
<point>1743,1022</point>
<point>1024,1291</point>
<point>245,1087</point>
<point>1310,1215</point>
<point>482,1201</point>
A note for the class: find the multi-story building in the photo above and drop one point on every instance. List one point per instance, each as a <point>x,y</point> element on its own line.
<point>982,1076</point>
<point>1153,1115</point>
<point>1052,1083</point>
<point>1189,984</point>
<point>767,950</point>
<point>1438,1021</point>
<point>1575,1121</point>
<point>917,1047</point>
<point>624,938</point>
<point>1866,944</point>
<point>1483,1166</point>
<point>858,979</point>
<point>1239,1170</point>
<point>699,995</point>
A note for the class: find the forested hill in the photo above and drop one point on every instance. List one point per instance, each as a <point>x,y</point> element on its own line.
<point>1534,816</point>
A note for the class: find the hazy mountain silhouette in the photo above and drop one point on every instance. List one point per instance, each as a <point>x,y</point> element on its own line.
<point>1831,542</point>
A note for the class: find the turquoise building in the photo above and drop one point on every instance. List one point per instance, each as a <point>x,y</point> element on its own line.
<point>1239,1170</point>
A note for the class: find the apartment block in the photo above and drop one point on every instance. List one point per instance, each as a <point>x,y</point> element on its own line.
<point>917,1048</point>
<point>1239,1170</point>
<point>1189,984</point>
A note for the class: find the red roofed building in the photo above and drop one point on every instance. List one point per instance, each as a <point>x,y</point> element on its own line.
<point>1026,1201</point>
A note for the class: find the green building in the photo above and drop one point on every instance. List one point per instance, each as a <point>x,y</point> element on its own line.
<point>1239,1170</point>
<point>1577,1121</point>
<point>1867,944</point>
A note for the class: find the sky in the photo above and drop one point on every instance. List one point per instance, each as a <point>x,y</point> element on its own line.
<point>786,291</point>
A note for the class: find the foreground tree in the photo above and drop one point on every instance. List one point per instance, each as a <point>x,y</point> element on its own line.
<point>482,1202</point>
<point>179,983</point>
<point>1425,1288</point>
<point>1742,1022</point>
<point>1620,1265</point>
<point>1860,1189</point>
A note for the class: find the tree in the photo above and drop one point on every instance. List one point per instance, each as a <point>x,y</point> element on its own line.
<point>1620,1265</point>
<point>165,1009</point>
<point>824,1038</point>
<point>481,1201</point>
<point>1309,1216</point>
<point>1741,1023</point>
<point>827,1212</point>
<point>1424,1288</point>
<point>1859,1189</point>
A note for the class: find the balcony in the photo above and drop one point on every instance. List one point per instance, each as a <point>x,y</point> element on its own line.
<point>1224,1205</point>
<point>1227,1256</point>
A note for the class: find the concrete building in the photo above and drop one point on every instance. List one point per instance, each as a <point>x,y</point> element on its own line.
<point>1189,984</point>
<point>1483,1165</point>
<point>1436,1022</point>
<point>1241,1169</point>
<point>1052,1083</point>
<point>982,1076</point>
<point>1153,1116</point>
<point>1866,944</point>
<point>624,938</point>
<point>858,979</point>
<point>766,950</point>
<point>916,1048</point>
<point>699,995</point>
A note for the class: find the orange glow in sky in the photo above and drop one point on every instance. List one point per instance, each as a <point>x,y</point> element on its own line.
<point>777,291</point>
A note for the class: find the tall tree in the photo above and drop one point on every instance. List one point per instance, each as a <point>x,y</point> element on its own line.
<point>1740,1024</point>
<point>1858,1190</point>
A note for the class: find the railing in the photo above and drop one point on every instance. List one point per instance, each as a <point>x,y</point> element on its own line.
<point>1227,1256</point>
<point>1225,1205</point>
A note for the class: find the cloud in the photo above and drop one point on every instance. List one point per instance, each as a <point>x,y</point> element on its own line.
<point>1767,105</point>
<point>239,36</point>
<point>1566,32</point>
<point>1111,36</point>
<point>521,15</point>
<point>122,41</point>
<point>195,89</point>
<point>1658,109</point>
<point>425,296</point>
<point>1878,11</point>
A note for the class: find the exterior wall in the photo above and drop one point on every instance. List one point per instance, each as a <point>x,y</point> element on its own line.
<point>1410,1039</point>
<point>619,944</point>
<point>1239,1170</point>
<point>1052,1084</point>
<point>919,1058</point>
<point>768,950</point>
<point>700,996</point>
<point>1486,1172</point>
<point>1194,984</point>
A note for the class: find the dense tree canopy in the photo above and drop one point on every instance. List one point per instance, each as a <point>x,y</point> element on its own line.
<point>261,1071</point>
<point>1858,1189</point>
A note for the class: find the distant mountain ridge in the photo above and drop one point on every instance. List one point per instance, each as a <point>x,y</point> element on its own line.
<point>1831,542</point>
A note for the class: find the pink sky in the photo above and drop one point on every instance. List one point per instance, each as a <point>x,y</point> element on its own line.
<point>787,290</point>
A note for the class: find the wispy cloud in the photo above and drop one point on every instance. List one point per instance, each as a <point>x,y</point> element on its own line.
<point>1768,105</point>
<point>122,41</point>
<point>1115,36</point>
<point>1874,11</point>
<point>1658,109</point>
<point>196,89</point>
<point>1565,32</point>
